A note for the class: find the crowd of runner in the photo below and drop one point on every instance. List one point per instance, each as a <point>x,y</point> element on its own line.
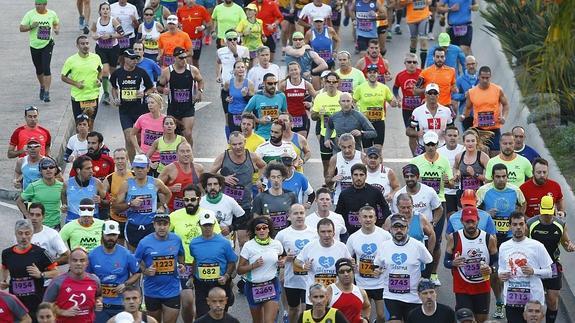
<point>142,233</point>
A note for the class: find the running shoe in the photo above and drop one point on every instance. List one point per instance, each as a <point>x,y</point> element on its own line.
<point>41,94</point>
<point>499,312</point>
<point>86,30</point>
<point>397,29</point>
<point>442,20</point>
<point>430,36</point>
<point>389,36</point>
<point>435,280</point>
<point>207,40</point>
<point>81,22</point>
<point>46,96</point>
<point>106,99</point>
<point>241,284</point>
<point>346,21</point>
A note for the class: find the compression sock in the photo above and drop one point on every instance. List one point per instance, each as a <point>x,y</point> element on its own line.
<point>398,16</point>
<point>550,316</point>
<point>423,57</point>
<point>431,24</point>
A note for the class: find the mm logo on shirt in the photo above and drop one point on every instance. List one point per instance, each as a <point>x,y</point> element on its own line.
<point>431,174</point>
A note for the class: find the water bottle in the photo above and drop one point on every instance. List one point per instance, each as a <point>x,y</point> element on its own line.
<point>481,265</point>
<point>266,210</point>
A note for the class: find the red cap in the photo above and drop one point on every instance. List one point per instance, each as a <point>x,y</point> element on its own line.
<point>468,198</point>
<point>469,213</point>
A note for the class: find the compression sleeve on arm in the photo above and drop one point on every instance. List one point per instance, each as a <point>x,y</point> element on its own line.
<point>448,260</point>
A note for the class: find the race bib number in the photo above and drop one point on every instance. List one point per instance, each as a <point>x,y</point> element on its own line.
<point>181,95</point>
<point>209,271</point>
<point>90,104</point>
<point>419,4</point>
<point>237,192</point>
<point>237,119</point>
<point>150,136</point>
<point>325,54</point>
<point>501,224</point>
<point>178,203</point>
<point>345,185</point>
<point>411,102</point>
<point>106,43</point>
<point>168,157</point>
<point>44,32</point>
<point>346,85</point>
<point>271,112</point>
<point>151,44</point>
<point>279,220</point>
<point>434,183</point>
<point>470,183</point>
<point>23,286</point>
<point>168,60</point>
<point>325,121</point>
<point>262,292</point>
<point>486,119</point>
<point>366,268</point>
<point>364,24</point>
<point>518,297</point>
<point>459,30</point>
<point>374,113</point>
<point>145,204</point>
<point>325,279</point>
<point>297,122</point>
<point>124,42</point>
<point>298,270</point>
<point>187,272</point>
<point>353,219</point>
<point>472,270</point>
<point>399,283</point>
<point>165,265</point>
<point>554,270</point>
<point>129,94</point>
<point>109,290</point>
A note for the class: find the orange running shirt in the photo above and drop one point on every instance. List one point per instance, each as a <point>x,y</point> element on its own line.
<point>417,10</point>
<point>169,41</point>
<point>486,106</point>
<point>444,77</point>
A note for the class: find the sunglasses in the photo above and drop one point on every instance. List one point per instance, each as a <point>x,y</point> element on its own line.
<point>33,146</point>
<point>344,271</point>
<point>297,39</point>
<point>261,227</point>
<point>190,199</point>
<point>148,14</point>
<point>332,82</point>
<point>433,93</point>
<point>86,208</point>
<point>271,83</point>
<point>183,57</point>
<point>431,144</point>
<point>399,226</point>
<point>48,167</point>
<point>82,117</point>
<point>410,62</point>
<point>139,167</point>
<point>232,39</point>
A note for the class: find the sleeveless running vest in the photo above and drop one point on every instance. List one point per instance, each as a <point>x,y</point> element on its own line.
<point>176,201</point>
<point>181,90</point>
<point>468,181</point>
<point>328,318</point>
<point>168,151</point>
<point>150,39</point>
<point>76,193</point>
<point>244,172</point>
<point>105,29</point>
<point>295,96</point>
<point>159,15</point>
<point>467,279</point>
<point>322,44</point>
<point>415,228</point>
<point>344,169</point>
<point>236,107</point>
<point>116,182</point>
<point>381,69</point>
<point>305,61</point>
<point>379,179</point>
<point>366,19</point>
<point>349,304</point>
<point>145,212</point>
<point>30,172</point>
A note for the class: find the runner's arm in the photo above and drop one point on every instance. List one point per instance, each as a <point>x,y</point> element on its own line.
<point>331,169</point>
<point>120,205</point>
<point>429,232</point>
<point>164,193</point>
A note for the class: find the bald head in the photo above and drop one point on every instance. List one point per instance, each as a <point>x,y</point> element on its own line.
<point>471,64</point>
<point>346,101</point>
<point>217,292</point>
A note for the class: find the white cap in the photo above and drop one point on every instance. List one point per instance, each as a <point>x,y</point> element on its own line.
<point>111,227</point>
<point>432,86</point>
<point>430,136</point>
<point>140,161</point>
<point>208,218</point>
<point>124,317</point>
<point>172,19</point>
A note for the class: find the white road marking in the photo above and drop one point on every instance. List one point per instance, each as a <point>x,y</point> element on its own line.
<point>201,105</point>
<point>314,160</point>
<point>10,206</point>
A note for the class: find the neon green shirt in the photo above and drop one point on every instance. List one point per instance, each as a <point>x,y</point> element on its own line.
<point>518,170</point>
<point>187,228</point>
<point>76,235</point>
<point>84,69</point>
<point>40,36</point>
<point>431,174</point>
<point>253,40</point>
<point>371,100</point>
<point>351,81</point>
<point>49,196</point>
<point>227,18</point>
<point>330,104</point>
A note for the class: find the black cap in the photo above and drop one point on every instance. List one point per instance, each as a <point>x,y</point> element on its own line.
<point>372,67</point>
<point>343,262</point>
<point>398,218</point>
<point>464,314</point>
<point>373,151</point>
<point>179,51</point>
<point>162,217</point>
<point>425,284</point>
<point>130,53</point>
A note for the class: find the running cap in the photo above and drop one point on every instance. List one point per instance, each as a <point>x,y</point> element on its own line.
<point>31,140</point>
<point>318,19</point>
<point>129,53</point>
<point>372,67</point>
<point>41,1</point>
<point>410,169</point>
<point>547,205</point>
<point>231,34</point>
<point>443,40</point>
<point>172,19</point>
<point>297,34</point>
<point>111,227</point>
<point>469,213</point>
<point>82,117</point>
<point>161,217</point>
<point>432,86</point>
<point>464,315</point>
<point>86,207</point>
<point>140,161</point>
<point>179,51</point>
<point>373,151</point>
<point>430,137</point>
<point>343,262</point>
<point>468,198</point>
<point>124,317</point>
<point>47,161</point>
<point>425,284</point>
<point>398,218</point>
<point>252,6</point>
<point>208,218</point>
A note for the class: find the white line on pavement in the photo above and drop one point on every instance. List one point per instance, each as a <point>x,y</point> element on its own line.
<point>315,160</point>
<point>10,206</point>
<point>201,105</point>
